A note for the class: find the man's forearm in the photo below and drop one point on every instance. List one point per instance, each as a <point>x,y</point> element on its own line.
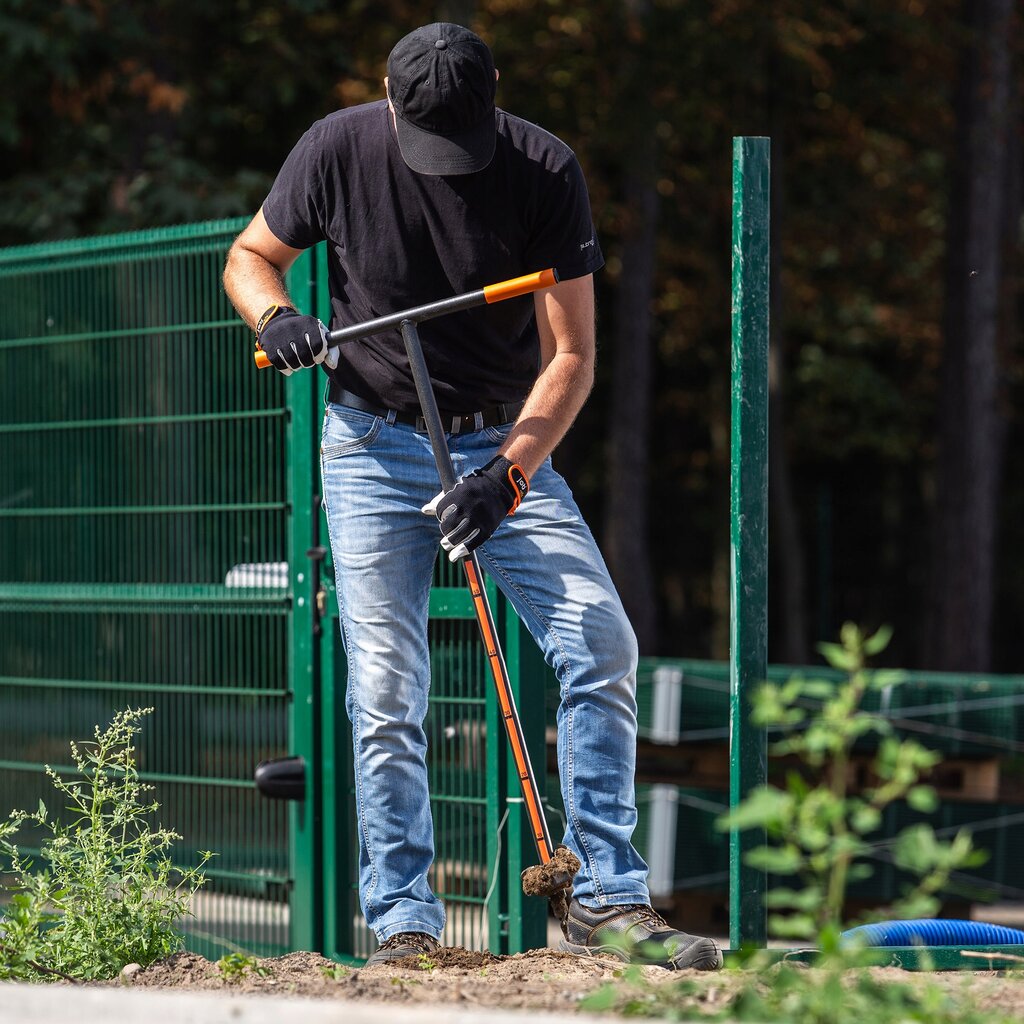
<point>552,405</point>
<point>255,269</point>
<point>253,284</point>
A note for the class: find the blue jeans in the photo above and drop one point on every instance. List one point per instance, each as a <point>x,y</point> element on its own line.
<point>376,477</point>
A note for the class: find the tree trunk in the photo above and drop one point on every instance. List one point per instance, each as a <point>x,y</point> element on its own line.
<point>626,541</point>
<point>971,429</point>
<point>626,536</point>
<point>786,553</point>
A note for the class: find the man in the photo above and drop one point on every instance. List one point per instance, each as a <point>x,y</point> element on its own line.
<point>430,193</point>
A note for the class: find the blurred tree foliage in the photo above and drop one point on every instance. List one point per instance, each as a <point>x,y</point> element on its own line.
<point>119,114</point>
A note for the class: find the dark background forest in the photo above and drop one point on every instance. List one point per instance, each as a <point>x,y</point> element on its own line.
<point>897,378</point>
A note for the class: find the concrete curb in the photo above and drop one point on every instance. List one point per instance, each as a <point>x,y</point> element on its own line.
<point>67,1004</point>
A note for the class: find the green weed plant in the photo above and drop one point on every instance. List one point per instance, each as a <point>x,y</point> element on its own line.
<point>820,834</point>
<point>335,972</point>
<point>103,892</point>
<point>234,967</point>
<point>788,994</point>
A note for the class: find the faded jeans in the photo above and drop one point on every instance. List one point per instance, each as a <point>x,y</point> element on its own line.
<point>376,477</point>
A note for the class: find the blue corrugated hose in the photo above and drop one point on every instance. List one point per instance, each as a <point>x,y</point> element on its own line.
<point>933,932</point>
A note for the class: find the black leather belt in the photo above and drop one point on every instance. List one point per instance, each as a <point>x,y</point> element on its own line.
<point>453,423</point>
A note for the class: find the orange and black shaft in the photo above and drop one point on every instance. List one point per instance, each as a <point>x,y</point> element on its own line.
<point>417,314</point>
<point>481,606</point>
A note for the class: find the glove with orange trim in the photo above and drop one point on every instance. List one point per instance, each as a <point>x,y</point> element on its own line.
<point>292,341</point>
<point>473,509</point>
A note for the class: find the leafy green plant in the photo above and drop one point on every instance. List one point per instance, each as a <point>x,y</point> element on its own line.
<point>788,995</point>
<point>107,893</point>
<point>335,972</point>
<point>425,963</point>
<point>234,967</point>
<point>818,831</point>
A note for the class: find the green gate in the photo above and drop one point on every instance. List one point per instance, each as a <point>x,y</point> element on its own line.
<point>144,552</point>
<point>481,834</point>
<point>159,536</point>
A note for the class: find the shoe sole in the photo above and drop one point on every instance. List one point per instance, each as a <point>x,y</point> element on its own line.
<point>388,959</point>
<point>703,956</point>
<point>377,958</point>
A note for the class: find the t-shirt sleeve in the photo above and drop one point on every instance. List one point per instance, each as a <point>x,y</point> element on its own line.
<point>564,235</point>
<point>294,208</point>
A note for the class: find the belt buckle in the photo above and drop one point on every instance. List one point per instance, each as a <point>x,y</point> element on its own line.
<point>454,424</point>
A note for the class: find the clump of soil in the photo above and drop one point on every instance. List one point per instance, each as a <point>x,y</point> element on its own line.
<point>541,979</point>
<point>558,873</point>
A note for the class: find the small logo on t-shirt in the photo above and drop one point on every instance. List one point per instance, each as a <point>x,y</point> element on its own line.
<point>584,245</point>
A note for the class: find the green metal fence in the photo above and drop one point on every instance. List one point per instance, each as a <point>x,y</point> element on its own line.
<point>143,557</point>
<point>975,721</point>
<point>158,533</point>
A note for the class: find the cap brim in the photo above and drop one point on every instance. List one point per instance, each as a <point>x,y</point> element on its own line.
<point>465,153</point>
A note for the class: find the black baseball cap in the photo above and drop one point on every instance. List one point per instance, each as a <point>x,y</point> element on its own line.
<point>441,83</point>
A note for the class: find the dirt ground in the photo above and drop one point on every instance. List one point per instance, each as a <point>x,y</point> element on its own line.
<point>537,980</point>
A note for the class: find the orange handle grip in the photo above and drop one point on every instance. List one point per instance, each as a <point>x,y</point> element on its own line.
<point>262,359</point>
<point>520,285</point>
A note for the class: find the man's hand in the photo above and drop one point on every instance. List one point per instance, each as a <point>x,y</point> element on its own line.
<point>471,511</point>
<point>292,340</point>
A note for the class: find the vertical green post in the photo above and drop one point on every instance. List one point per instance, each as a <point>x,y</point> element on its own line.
<point>498,829</point>
<point>516,922</point>
<point>528,915</point>
<point>748,582</point>
<point>338,875</point>
<point>305,914</point>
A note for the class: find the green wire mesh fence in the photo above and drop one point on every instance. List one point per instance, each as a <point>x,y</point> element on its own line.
<point>975,721</point>
<point>155,515</point>
<point>131,568</point>
<point>155,497</point>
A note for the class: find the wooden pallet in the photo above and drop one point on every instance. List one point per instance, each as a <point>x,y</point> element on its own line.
<point>706,766</point>
<point>955,779</point>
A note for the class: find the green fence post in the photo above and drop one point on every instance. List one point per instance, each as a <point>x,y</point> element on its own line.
<point>528,915</point>
<point>306,902</point>
<point>499,828</point>
<point>748,517</point>
<point>333,768</point>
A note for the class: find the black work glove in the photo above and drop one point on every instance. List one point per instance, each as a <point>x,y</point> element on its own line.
<point>471,511</point>
<point>292,340</point>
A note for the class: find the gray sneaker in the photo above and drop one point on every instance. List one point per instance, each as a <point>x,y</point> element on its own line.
<point>403,944</point>
<point>637,933</point>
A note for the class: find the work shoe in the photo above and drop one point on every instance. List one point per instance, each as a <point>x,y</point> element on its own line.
<point>637,934</point>
<point>403,944</point>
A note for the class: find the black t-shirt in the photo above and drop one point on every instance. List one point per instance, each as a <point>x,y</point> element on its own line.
<point>399,239</point>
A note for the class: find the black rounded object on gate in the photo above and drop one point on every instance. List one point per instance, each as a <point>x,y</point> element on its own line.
<point>282,778</point>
